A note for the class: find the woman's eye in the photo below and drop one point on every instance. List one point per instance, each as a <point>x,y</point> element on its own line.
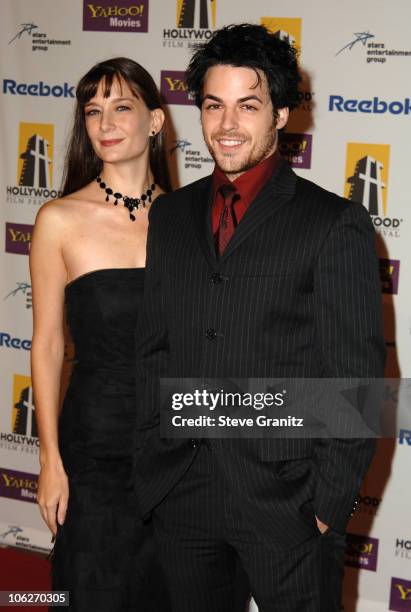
<point>91,112</point>
<point>123,108</point>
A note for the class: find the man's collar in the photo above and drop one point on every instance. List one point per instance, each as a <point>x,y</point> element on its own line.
<point>250,182</point>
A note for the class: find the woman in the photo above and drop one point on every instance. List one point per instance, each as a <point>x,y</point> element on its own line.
<point>88,252</point>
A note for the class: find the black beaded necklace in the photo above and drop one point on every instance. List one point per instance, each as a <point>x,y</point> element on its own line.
<point>130,203</point>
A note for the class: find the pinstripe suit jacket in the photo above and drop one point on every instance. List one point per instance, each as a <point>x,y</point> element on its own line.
<point>299,297</point>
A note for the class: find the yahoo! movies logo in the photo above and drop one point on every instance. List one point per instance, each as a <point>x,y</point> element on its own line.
<point>34,181</point>
<point>296,149</point>
<point>286,28</point>
<point>174,88</point>
<point>361,552</point>
<point>366,182</point>
<point>389,275</point>
<point>400,595</point>
<point>18,485</point>
<point>195,20</point>
<point>18,238</point>
<point>112,16</point>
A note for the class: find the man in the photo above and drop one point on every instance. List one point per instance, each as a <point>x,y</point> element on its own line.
<point>253,272</point>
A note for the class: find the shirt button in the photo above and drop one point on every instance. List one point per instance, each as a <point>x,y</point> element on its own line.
<point>216,278</point>
<point>193,443</point>
<point>211,334</point>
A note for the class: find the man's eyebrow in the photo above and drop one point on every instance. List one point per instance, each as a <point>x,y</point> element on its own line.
<point>250,98</point>
<point>211,97</point>
<point>241,100</point>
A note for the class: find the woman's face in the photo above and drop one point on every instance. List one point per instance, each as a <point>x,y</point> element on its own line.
<point>119,126</point>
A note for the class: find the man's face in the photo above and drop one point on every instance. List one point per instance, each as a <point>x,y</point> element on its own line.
<point>237,118</point>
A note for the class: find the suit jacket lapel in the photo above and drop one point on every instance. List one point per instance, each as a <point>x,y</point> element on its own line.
<point>201,215</point>
<point>275,193</point>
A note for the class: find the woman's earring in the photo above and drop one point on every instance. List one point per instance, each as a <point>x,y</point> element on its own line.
<point>153,139</point>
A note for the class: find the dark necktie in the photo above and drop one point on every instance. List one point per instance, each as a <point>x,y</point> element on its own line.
<point>228,221</point>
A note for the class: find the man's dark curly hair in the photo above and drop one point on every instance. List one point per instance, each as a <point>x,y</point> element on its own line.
<point>250,46</point>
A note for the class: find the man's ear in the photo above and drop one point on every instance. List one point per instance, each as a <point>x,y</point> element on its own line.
<point>282,117</point>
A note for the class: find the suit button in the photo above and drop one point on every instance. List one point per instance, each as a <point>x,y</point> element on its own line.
<point>193,443</point>
<point>216,278</point>
<point>211,334</point>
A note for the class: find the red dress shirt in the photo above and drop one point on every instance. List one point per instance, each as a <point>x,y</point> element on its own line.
<point>247,185</point>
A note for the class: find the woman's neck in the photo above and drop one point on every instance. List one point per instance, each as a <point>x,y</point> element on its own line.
<point>129,179</point>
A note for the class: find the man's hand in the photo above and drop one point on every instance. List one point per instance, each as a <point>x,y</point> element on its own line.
<point>322,527</point>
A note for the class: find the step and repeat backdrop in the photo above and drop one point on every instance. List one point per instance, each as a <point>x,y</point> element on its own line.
<point>351,135</point>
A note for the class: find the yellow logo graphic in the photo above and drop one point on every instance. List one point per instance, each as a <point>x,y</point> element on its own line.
<point>35,162</point>
<point>23,419</point>
<point>286,28</point>
<point>404,591</point>
<point>366,176</point>
<point>116,11</point>
<point>196,14</point>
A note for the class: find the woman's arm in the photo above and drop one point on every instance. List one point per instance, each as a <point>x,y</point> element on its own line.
<point>48,278</point>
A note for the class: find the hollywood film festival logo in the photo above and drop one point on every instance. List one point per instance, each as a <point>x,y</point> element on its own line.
<point>290,30</point>
<point>371,48</point>
<point>23,436</point>
<point>34,166</point>
<point>195,21</point>
<point>402,548</point>
<point>115,16</point>
<point>285,28</point>
<point>366,182</point>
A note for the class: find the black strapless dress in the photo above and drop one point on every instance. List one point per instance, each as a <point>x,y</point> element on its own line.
<point>103,554</point>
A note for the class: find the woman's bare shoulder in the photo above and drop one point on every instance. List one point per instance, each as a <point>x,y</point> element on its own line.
<point>61,212</point>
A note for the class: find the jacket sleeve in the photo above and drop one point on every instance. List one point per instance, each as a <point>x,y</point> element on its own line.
<point>349,335</point>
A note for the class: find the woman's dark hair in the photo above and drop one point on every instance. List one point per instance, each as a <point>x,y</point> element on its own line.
<point>82,164</point>
<point>250,46</point>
